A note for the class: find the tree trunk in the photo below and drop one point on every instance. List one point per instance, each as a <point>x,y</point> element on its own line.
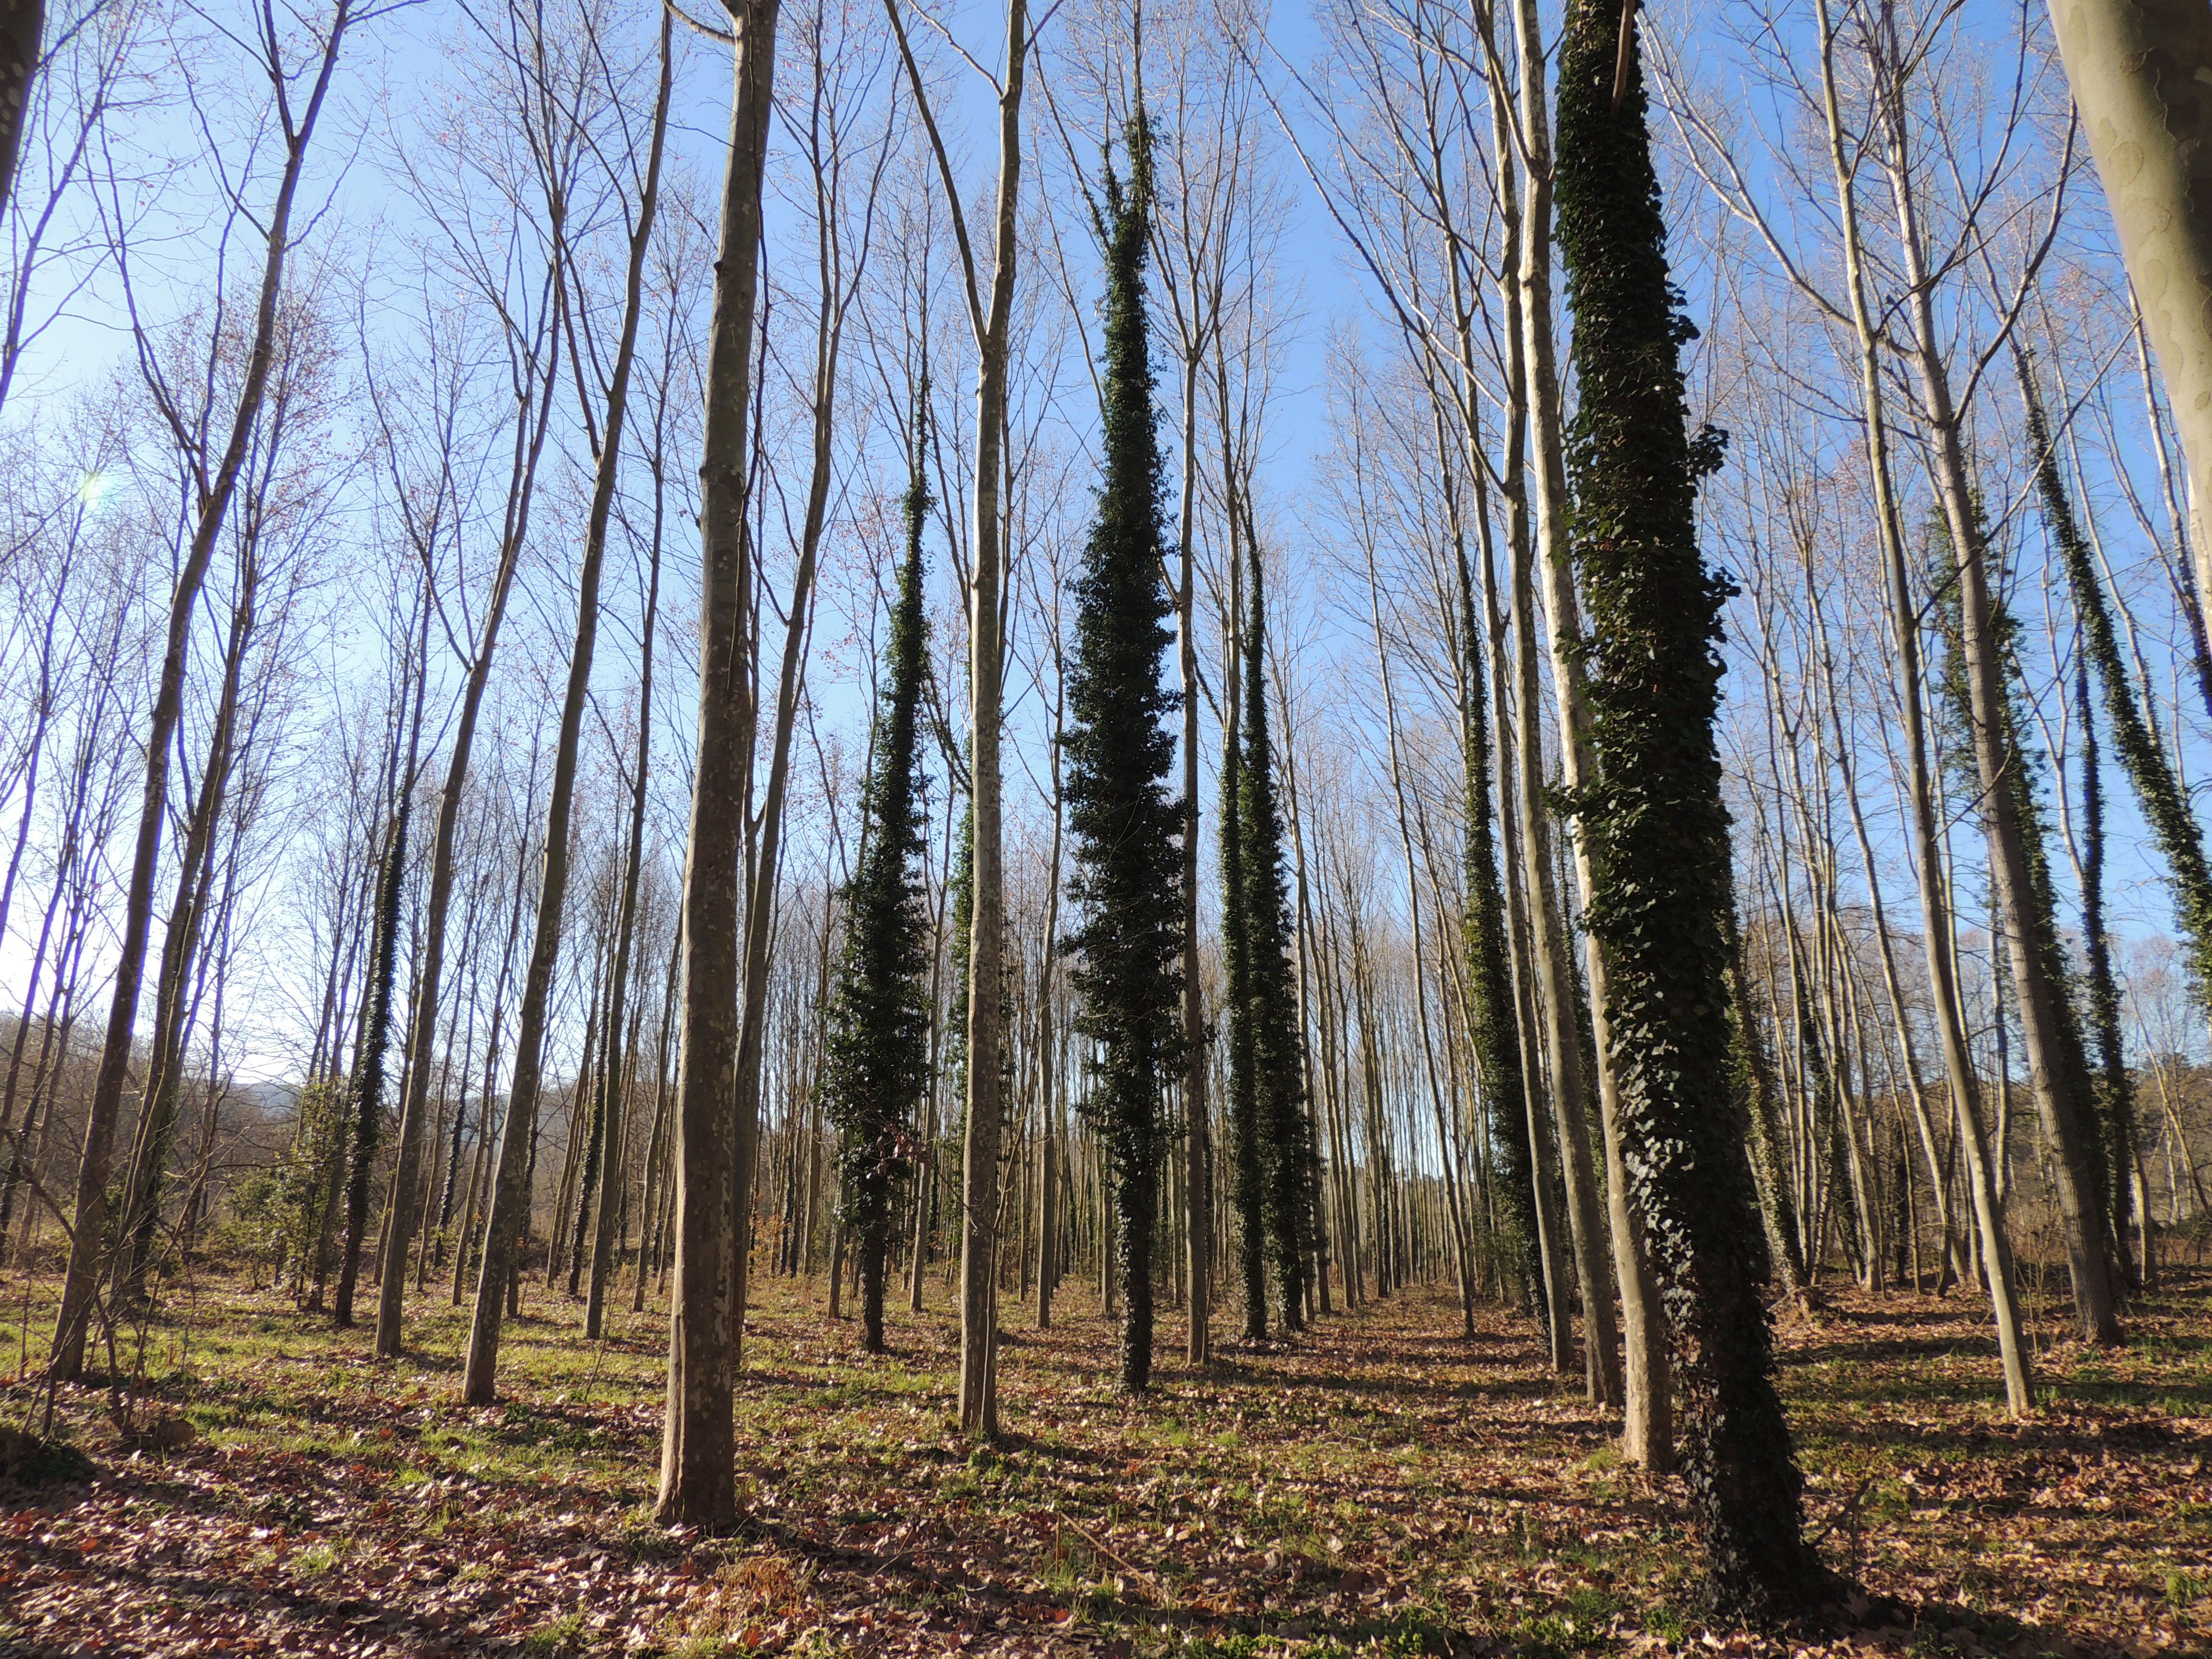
<point>2140,72</point>
<point>1935,926</point>
<point>1647,1433</point>
<point>65,1361</point>
<point>697,1475</point>
<point>989,317</point>
<point>22,29</point>
<point>1653,830</point>
<point>2042,1007</point>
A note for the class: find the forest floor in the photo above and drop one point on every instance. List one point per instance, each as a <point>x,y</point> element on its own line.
<point>1379,1486</point>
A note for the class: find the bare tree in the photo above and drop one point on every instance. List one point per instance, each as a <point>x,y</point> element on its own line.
<point>216,481</point>
<point>697,1476</point>
<point>990,310</point>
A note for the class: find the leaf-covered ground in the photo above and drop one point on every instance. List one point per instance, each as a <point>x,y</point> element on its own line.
<point>1379,1486</point>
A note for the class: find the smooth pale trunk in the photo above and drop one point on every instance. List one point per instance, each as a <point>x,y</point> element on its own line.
<point>760,906</point>
<point>1935,916</point>
<point>697,1476</point>
<point>2140,71</point>
<point>2064,1118</point>
<point>1198,1267</point>
<point>1648,1424</point>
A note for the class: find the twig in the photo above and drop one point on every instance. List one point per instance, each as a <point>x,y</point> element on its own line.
<point>1842,1514</point>
<point>1092,1539</point>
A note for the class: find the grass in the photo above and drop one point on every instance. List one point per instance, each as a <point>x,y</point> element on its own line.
<point>1379,1486</point>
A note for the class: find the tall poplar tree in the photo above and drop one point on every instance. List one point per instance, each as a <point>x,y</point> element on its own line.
<point>1654,825</point>
<point>1273,1036</point>
<point>1491,1031</point>
<point>1126,828</point>
<point>2037,919</point>
<point>2115,1091</point>
<point>368,1091</point>
<point>2158,793</point>
<point>877,1063</point>
<point>1248,1141</point>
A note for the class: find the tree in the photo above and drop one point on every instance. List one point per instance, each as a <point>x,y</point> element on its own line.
<point>1248,1140</point>
<point>878,1062</point>
<point>1275,1033</point>
<point>278,498</point>
<point>607,442</point>
<point>22,27</point>
<point>2044,1017</point>
<point>214,486</point>
<point>2141,75</point>
<point>990,312</point>
<point>1640,1381</point>
<point>697,1475</point>
<point>366,1095</point>
<point>509,1217</point>
<point>2158,793</point>
<point>2030,909</point>
<point>1654,825</point>
<point>1126,829</point>
<point>1492,1032</point>
<point>839,264</point>
<point>2115,1091</point>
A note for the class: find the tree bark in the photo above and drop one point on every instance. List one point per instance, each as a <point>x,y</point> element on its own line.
<point>1646,1432</point>
<point>989,316</point>
<point>697,1477</point>
<point>22,29</point>
<point>2140,72</point>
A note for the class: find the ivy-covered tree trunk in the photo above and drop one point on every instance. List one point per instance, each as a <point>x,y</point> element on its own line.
<point>1656,827</point>
<point>1248,1139</point>
<point>877,1062</point>
<point>1274,1029</point>
<point>2158,793</point>
<point>1980,686</point>
<point>368,1096</point>
<point>2115,1095</point>
<point>1491,1031</point>
<point>1126,829</point>
<point>1762,1111</point>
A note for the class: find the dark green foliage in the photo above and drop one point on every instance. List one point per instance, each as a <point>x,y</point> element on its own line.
<point>1657,831</point>
<point>963,900</point>
<point>1273,1033</point>
<point>368,1064</point>
<point>877,1059</point>
<point>2024,767</point>
<point>278,1211</point>
<point>1247,1144</point>
<point>2157,793</point>
<point>1492,1030</point>
<point>2115,1094</point>
<point>1126,827</point>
